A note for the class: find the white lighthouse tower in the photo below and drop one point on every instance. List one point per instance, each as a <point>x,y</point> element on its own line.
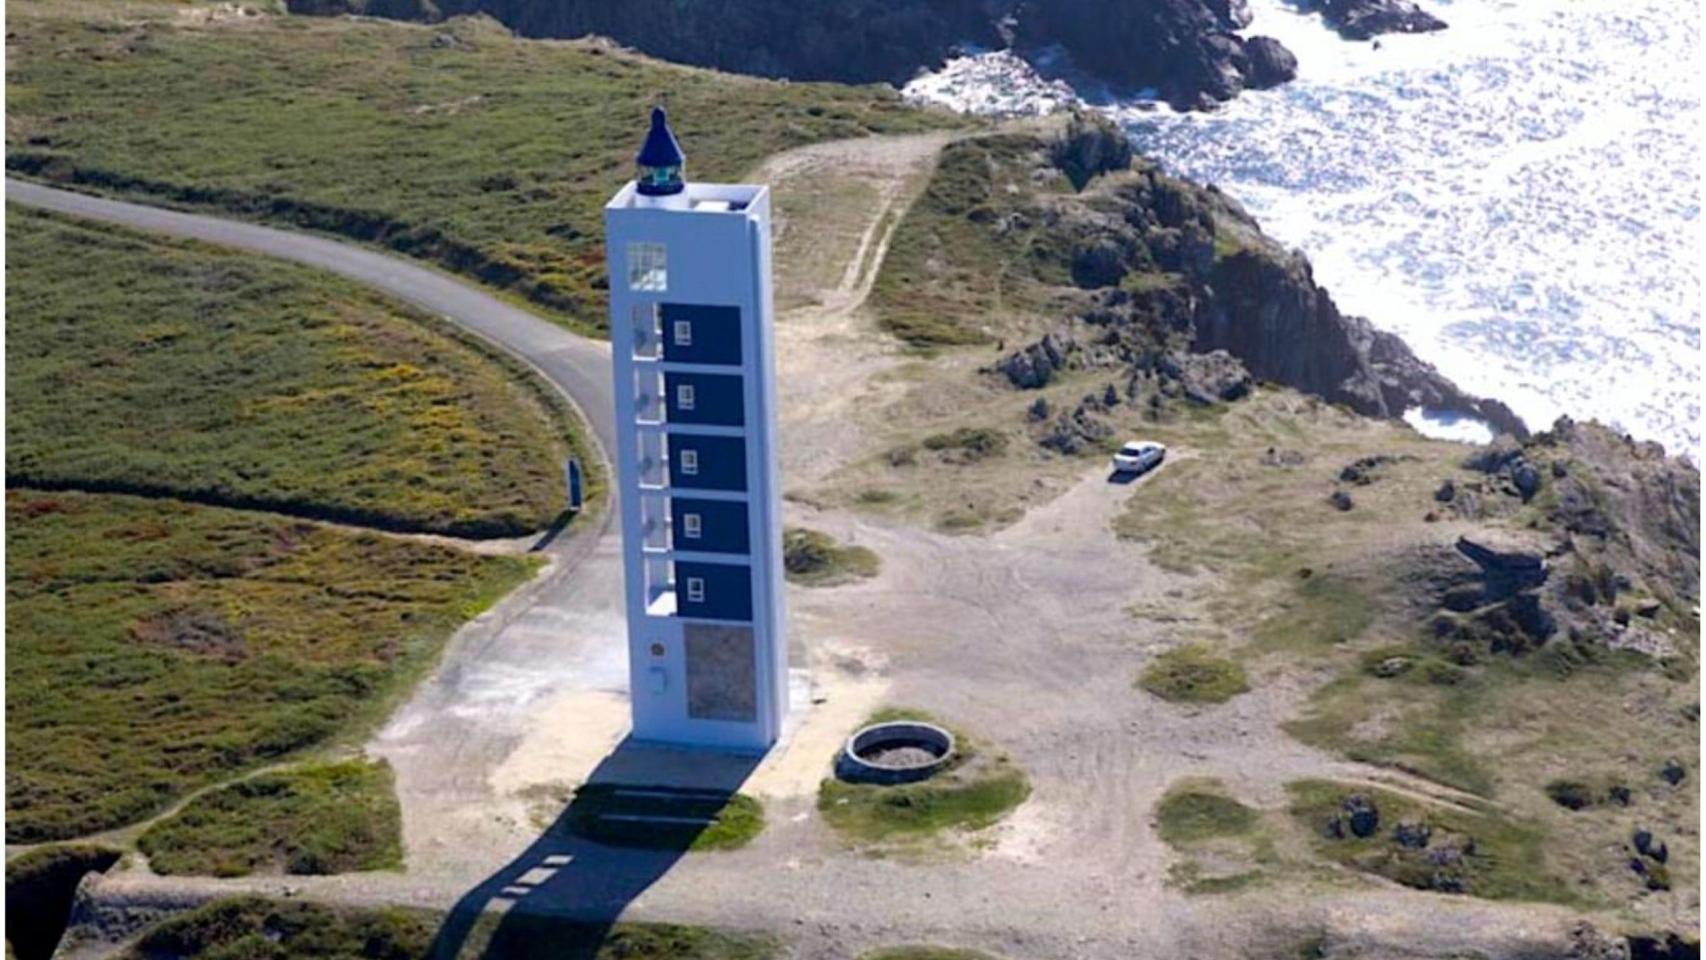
<point>691,338</point>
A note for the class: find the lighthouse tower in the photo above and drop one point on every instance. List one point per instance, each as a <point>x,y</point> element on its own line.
<point>692,347</point>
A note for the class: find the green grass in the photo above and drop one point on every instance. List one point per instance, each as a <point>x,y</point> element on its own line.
<point>1505,863</point>
<point>252,927</point>
<point>318,818</point>
<point>484,153</point>
<point>142,365</point>
<point>952,269</point>
<point>972,792</point>
<point>1193,674</point>
<point>815,559</point>
<point>40,885</point>
<point>154,646</point>
<point>729,821</point>
<point>1194,810</point>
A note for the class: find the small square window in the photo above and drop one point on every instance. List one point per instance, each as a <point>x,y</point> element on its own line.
<point>691,526</point>
<point>695,590</point>
<point>690,463</point>
<point>684,396</point>
<point>648,267</point>
<point>683,330</point>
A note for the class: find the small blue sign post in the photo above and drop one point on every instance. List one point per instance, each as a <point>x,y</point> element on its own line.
<point>572,471</point>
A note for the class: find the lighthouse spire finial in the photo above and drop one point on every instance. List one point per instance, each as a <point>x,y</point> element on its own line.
<point>660,159</point>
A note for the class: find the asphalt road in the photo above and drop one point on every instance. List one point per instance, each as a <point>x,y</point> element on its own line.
<point>578,366</point>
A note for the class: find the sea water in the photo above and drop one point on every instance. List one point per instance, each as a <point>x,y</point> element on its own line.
<point>1517,196</point>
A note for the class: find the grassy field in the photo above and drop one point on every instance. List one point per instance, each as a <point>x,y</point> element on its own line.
<point>318,818</point>
<point>1222,845</point>
<point>455,143</point>
<point>187,371</point>
<point>156,646</point>
<point>251,927</point>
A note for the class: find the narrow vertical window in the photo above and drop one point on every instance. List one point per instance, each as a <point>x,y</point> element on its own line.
<point>683,333</point>
<point>684,396</point>
<point>648,267</point>
<point>695,590</point>
<point>691,526</point>
<point>690,463</point>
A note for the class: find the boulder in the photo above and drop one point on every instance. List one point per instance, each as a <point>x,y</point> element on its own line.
<point>1271,64</point>
<point>1361,815</point>
<point>1098,263</point>
<point>1505,567</point>
<point>1034,366</point>
<point>1446,493</point>
<point>1341,501</point>
<point>1206,378</point>
<point>1090,146</point>
<point>1673,772</point>
<point>1413,834</point>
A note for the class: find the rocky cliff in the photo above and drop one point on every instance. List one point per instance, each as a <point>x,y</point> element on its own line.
<point>1165,267</point>
<point>1186,49</point>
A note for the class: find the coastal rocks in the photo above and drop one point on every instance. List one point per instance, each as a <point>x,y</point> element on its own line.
<point>1187,50</point>
<point>1271,64</point>
<point>1366,19</point>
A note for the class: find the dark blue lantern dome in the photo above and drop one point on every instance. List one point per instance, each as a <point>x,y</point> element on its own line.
<point>660,160</point>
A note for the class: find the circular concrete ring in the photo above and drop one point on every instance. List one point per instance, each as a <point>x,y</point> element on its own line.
<point>869,756</point>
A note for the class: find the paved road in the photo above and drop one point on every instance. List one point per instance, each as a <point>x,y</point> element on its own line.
<point>578,366</point>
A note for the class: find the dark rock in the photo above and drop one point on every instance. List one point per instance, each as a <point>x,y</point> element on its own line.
<point>1673,772</point>
<point>1110,396</point>
<point>1076,432</point>
<point>1619,794</point>
<point>1340,500</point>
<point>1091,146</point>
<point>1361,815</point>
<point>1206,378</point>
<point>1495,456</point>
<point>1034,366</point>
<point>1446,493</point>
<point>1666,946</point>
<point>1366,19</point>
<point>1411,833</point>
<point>1527,480</point>
<point>1099,263</point>
<point>1039,410</point>
<point>1362,470</point>
<point>1570,794</point>
<point>1271,64</point>
<point>1505,571</point>
<point>1587,943</point>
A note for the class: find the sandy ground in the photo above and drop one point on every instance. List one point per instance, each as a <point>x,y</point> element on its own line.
<point>1022,636</point>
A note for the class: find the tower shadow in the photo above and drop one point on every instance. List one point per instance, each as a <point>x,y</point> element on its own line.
<point>639,812</point>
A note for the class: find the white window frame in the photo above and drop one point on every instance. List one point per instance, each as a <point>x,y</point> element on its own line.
<point>648,267</point>
<point>685,396</point>
<point>690,463</point>
<point>683,332</point>
<point>692,526</point>
<point>695,589</point>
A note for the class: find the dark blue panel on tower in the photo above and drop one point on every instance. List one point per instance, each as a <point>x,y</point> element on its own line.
<point>713,591</point>
<point>710,398</point>
<point>701,334</point>
<point>707,463</point>
<point>720,525</point>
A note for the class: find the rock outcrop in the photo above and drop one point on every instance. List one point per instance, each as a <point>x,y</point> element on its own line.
<point>1173,269</point>
<point>1366,19</point>
<point>1186,49</point>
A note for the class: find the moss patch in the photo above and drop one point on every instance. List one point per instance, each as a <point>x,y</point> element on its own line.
<point>318,818</point>
<point>153,647</point>
<point>1193,674</point>
<point>1196,810</point>
<point>816,559</point>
